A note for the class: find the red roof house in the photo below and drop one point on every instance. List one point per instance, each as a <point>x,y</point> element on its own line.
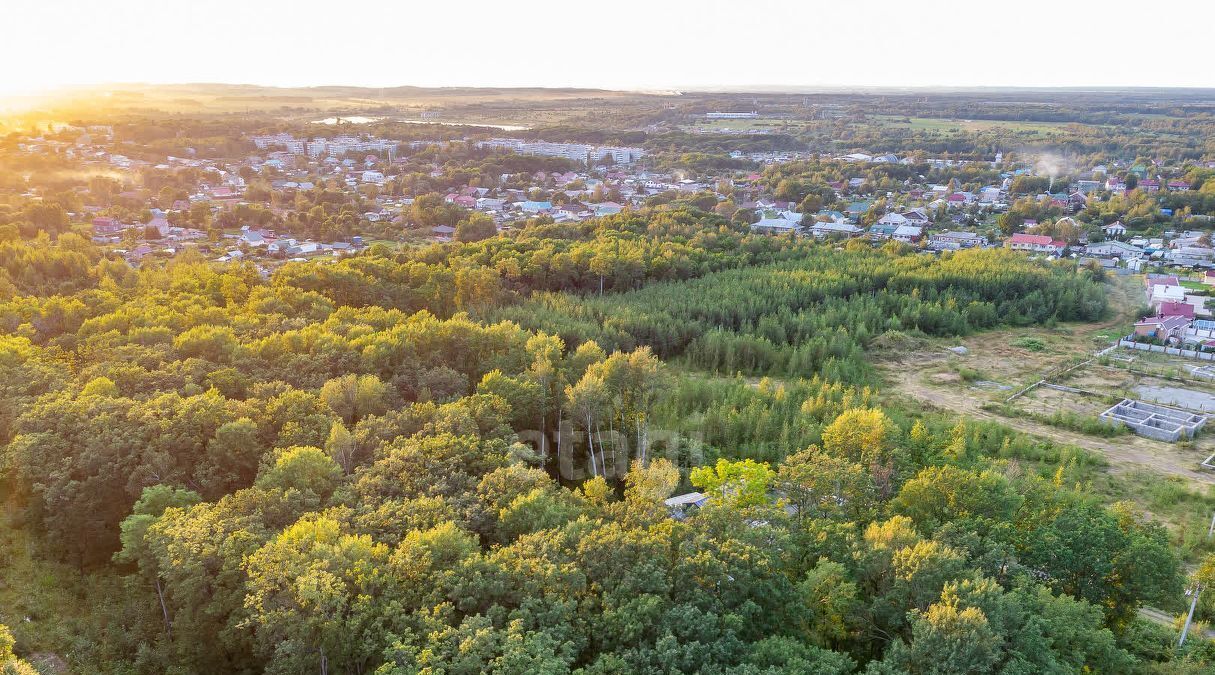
<point>1176,309</point>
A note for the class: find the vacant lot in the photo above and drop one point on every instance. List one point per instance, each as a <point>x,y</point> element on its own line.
<point>999,363</point>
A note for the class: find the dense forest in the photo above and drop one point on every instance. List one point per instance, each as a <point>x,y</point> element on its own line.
<point>453,459</point>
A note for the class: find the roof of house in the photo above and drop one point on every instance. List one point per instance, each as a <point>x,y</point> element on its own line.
<point>1161,280</point>
<point>1165,322</point>
<point>833,226</point>
<point>1120,245</point>
<point>686,499</point>
<point>776,223</point>
<point>1176,309</point>
<point>956,235</point>
<point>1036,239</point>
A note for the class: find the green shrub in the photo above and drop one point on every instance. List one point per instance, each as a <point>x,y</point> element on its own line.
<point>1033,344</point>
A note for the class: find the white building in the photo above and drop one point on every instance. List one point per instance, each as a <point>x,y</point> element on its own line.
<point>572,151</point>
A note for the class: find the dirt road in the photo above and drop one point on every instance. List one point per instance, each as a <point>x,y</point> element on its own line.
<point>1123,452</point>
<point>925,377</point>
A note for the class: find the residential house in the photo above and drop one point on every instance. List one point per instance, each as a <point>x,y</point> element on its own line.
<point>224,193</point>
<point>252,237</point>
<point>959,199</point>
<point>894,219</point>
<point>775,226</point>
<point>882,231</point>
<point>137,254</point>
<point>1162,328</point>
<point>1167,309</point>
<point>1115,230</point>
<point>490,204</point>
<point>1037,243</point>
<point>1161,294</point>
<point>1113,249</point>
<point>834,229</point>
<point>1192,256</point>
<point>105,225</point>
<point>908,234</point>
<point>917,216</point>
<point>574,211</point>
<point>989,195</point>
<point>305,249</point>
<point>956,240</point>
<point>281,245</point>
<point>857,209</point>
<point>536,207</point>
<point>1153,279</point>
<point>1076,201</point>
<point>680,506</point>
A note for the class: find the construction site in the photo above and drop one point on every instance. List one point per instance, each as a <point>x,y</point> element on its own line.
<point>1154,421</point>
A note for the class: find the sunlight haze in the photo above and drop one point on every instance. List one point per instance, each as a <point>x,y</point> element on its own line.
<point>621,45</point>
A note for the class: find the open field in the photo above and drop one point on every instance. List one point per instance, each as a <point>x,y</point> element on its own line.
<point>970,126</point>
<point>523,107</point>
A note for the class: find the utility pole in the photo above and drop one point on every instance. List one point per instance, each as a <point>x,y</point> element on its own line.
<point>1195,591</point>
<point>1211,530</point>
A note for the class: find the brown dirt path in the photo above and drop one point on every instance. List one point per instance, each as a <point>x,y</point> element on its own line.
<point>1123,452</point>
<point>924,377</point>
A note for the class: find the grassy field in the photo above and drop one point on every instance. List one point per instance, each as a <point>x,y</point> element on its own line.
<point>969,126</point>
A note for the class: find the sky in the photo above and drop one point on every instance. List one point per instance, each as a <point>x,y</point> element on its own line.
<point>611,44</point>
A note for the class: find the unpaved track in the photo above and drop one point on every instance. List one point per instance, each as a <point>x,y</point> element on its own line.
<point>1123,452</point>
<point>909,377</point>
<point>1165,619</point>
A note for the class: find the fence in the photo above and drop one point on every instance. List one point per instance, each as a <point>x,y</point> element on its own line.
<point>1174,351</point>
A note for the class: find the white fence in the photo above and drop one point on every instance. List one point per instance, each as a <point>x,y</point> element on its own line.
<point>1174,351</point>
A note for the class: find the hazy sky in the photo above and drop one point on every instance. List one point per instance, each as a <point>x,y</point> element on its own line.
<point>611,43</point>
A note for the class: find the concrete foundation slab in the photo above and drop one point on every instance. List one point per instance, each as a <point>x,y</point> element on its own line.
<point>1155,421</point>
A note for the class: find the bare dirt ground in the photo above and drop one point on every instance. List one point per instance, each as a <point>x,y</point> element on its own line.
<point>1123,452</point>
<point>996,367</point>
